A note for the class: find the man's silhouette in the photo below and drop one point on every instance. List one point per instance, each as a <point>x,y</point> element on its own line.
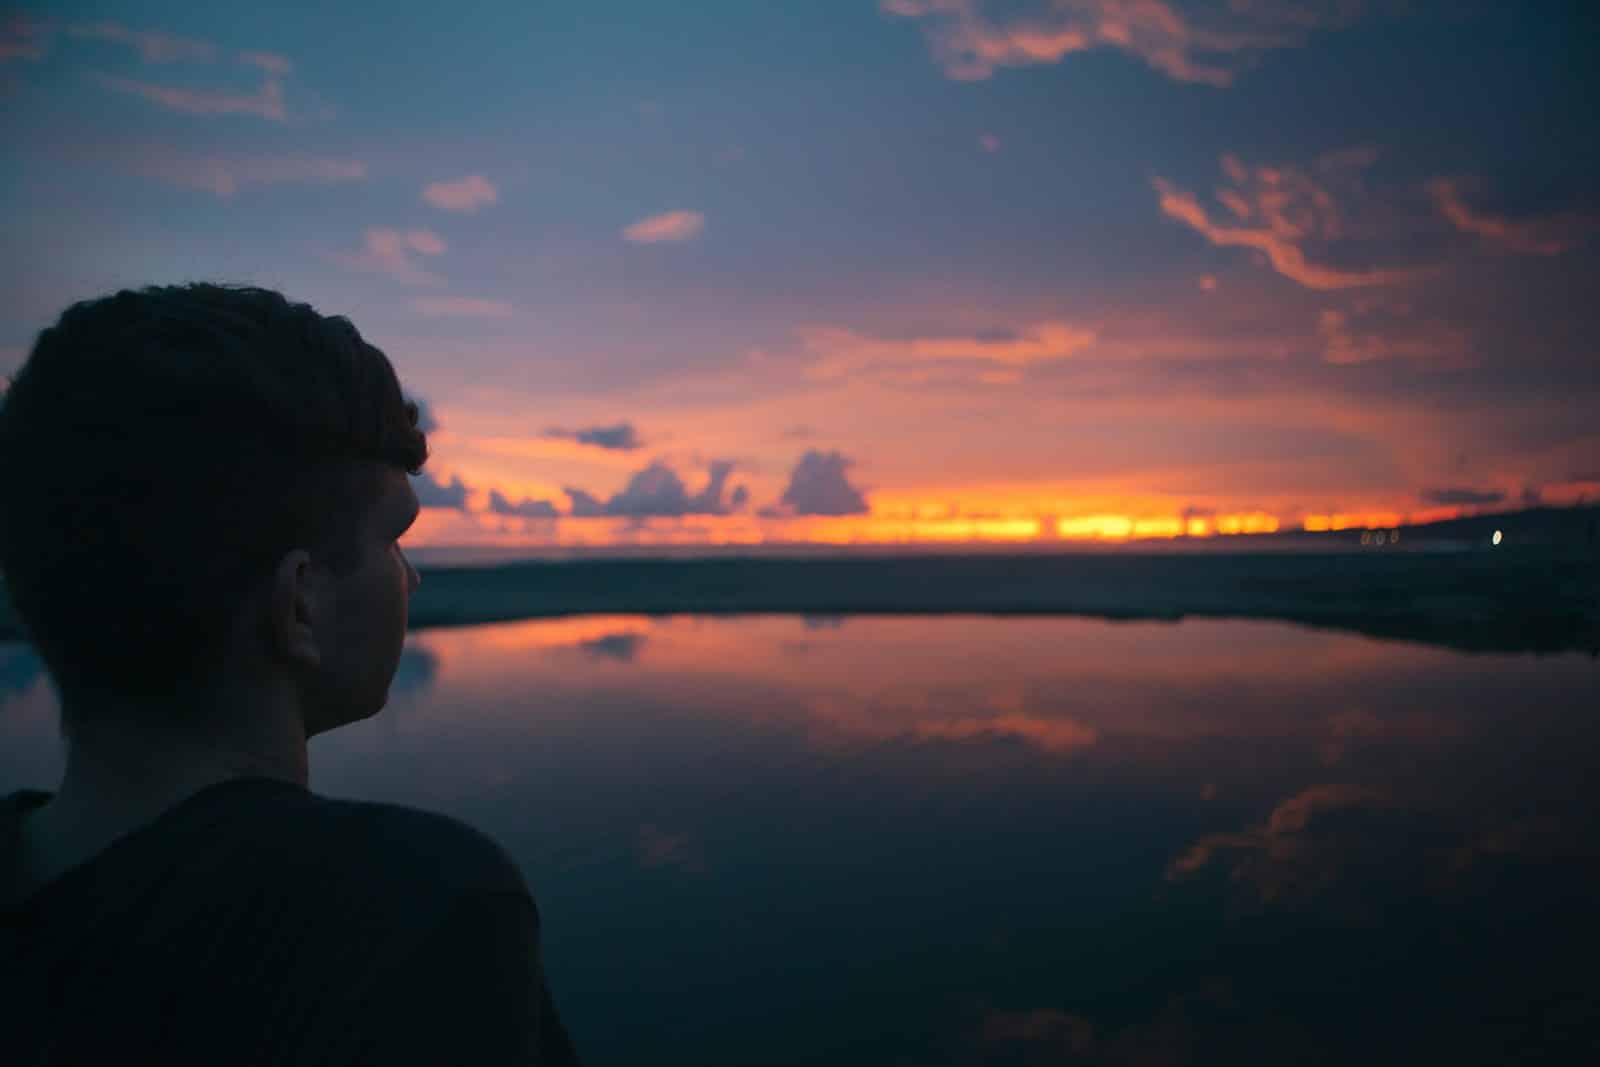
<point>204,488</point>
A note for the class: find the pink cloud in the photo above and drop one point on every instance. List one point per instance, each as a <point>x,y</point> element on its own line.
<point>1538,237</point>
<point>153,46</point>
<point>390,251</point>
<point>1208,48</point>
<point>266,103</point>
<point>989,142</point>
<point>1279,210</point>
<point>471,307</point>
<point>670,226</point>
<point>464,194</point>
<point>1370,331</point>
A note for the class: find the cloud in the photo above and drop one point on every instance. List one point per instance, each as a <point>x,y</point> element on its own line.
<point>1209,47</point>
<point>153,46</point>
<point>1052,735</point>
<point>266,102</point>
<point>843,353</point>
<point>820,485</point>
<point>1303,846</point>
<point>463,306</point>
<point>620,437</point>
<point>430,494</point>
<point>583,505</point>
<point>621,647</point>
<point>427,422</point>
<point>464,194</point>
<point>709,501</point>
<point>223,177</point>
<point>1370,330</point>
<point>22,37</point>
<point>270,62</point>
<point>671,226</point>
<point>1535,237</point>
<point>1278,211</point>
<point>658,491</point>
<point>1461,496</point>
<point>390,251</point>
<point>989,142</point>
<point>523,509</point>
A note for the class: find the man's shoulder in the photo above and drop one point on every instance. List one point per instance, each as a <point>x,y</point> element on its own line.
<point>421,852</point>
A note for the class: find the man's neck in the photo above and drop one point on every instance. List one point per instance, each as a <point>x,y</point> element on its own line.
<point>120,777</point>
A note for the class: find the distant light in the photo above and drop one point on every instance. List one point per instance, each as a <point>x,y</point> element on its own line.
<point>1497,538</point>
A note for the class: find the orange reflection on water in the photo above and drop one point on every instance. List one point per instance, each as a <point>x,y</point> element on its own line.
<point>1059,685</point>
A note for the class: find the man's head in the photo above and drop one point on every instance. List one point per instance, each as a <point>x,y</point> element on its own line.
<point>201,481</point>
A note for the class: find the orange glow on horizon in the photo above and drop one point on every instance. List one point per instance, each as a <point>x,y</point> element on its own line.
<point>1352,521</point>
<point>922,526</point>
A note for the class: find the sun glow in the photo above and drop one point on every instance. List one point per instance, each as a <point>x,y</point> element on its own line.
<point>911,526</point>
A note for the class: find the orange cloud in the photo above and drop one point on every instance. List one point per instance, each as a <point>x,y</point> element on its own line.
<point>1207,49</point>
<point>840,353</point>
<point>1052,735</point>
<point>266,103</point>
<point>1288,852</point>
<point>1369,332</point>
<point>1535,237</point>
<point>1280,210</point>
<point>464,194</point>
<point>670,226</point>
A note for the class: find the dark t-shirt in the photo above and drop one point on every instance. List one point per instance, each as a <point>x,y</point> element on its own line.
<point>258,923</point>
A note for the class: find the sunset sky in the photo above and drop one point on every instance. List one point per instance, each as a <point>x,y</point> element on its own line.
<point>857,271</point>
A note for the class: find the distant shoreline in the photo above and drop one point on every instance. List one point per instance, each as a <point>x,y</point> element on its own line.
<point>1529,597</point>
<point>1527,601</point>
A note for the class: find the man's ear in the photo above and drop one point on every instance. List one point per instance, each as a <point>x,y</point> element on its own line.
<point>293,600</point>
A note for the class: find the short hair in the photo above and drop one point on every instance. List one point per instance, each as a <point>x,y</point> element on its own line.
<point>161,449</point>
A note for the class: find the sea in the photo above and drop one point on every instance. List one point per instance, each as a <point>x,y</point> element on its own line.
<point>976,840</point>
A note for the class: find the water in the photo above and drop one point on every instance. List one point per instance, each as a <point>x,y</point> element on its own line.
<point>975,840</point>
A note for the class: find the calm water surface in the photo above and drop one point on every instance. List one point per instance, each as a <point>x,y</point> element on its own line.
<point>972,840</point>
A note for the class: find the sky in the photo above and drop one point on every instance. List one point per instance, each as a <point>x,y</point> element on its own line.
<point>857,271</point>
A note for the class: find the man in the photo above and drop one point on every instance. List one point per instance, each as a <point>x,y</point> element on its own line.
<point>204,488</point>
